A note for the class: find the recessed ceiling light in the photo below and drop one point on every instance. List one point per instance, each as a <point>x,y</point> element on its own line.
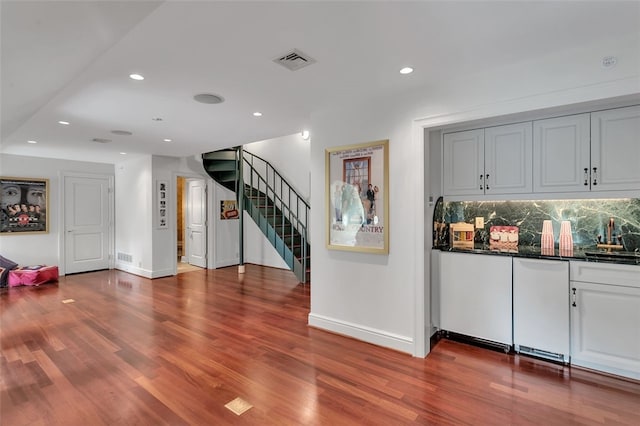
<point>208,98</point>
<point>123,153</point>
<point>121,132</point>
<point>257,114</point>
<point>166,140</point>
<point>136,77</point>
<point>406,70</point>
<point>65,123</point>
<point>32,141</point>
<point>156,118</point>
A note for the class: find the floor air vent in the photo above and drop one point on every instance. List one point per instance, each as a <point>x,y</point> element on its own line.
<point>294,60</point>
<point>538,353</point>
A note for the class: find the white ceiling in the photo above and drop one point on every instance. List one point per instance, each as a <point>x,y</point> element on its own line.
<point>70,60</point>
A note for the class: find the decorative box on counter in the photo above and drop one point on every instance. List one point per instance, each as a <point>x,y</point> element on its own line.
<point>462,235</point>
<point>503,238</point>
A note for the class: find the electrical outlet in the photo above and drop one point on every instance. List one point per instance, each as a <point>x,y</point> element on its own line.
<point>479,222</point>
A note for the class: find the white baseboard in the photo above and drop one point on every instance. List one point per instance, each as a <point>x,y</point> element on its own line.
<point>162,273</point>
<point>133,269</point>
<point>143,272</point>
<point>366,334</point>
<point>225,263</point>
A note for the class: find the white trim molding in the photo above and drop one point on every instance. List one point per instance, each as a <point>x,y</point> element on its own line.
<point>366,334</point>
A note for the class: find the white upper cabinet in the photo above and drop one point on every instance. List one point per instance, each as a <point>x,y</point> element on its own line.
<point>561,154</point>
<point>615,149</point>
<point>464,163</point>
<point>507,159</point>
<point>496,160</point>
<point>597,151</point>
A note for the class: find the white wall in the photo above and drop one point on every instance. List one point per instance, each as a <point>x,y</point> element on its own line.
<point>226,231</point>
<point>133,218</point>
<point>367,296</point>
<point>383,299</point>
<point>257,249</point>
<point>290,156</point>
<point>42,248</point>
<point>164,239</point>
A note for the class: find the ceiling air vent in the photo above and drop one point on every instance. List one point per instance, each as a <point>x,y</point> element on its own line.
<point>122,132</point>
<point>101,140</point>
<point>294,60</point>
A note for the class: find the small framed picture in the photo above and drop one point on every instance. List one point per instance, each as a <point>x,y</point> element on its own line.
<point>162,191</point>
<point>24,205</point>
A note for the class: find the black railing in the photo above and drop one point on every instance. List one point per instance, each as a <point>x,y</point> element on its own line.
<point>282,206</point>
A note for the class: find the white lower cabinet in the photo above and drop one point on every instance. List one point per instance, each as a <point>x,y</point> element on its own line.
<point>605,317</point>
<point>475,296</point>
<point>541,308</point>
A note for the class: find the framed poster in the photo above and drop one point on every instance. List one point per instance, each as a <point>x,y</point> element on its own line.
<point>24,205</point>
<point>163,199</point>
<point>357,197</point>
<point>228,210</point>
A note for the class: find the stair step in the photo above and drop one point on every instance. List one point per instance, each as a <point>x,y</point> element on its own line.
<point>260,203</point>
<point>229,176</point>
<point>221,166</point>
<point>226,154</point>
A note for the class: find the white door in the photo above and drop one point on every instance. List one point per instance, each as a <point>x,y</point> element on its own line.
<point>86,223</point>
<point>464,163</point>
<point>615,149</point>
<point>508,155</point>
<point>196,235</point>
<point>561,154</point>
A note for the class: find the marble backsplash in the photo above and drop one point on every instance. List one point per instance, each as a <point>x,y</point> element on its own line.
<point>588,218</point>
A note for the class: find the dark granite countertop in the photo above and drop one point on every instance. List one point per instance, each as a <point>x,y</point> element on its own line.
<point>589,254</point>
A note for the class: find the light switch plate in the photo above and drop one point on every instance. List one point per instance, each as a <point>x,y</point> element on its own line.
<point>479,222</point>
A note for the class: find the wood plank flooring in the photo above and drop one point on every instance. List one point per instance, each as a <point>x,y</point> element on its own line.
<point>175,350</point>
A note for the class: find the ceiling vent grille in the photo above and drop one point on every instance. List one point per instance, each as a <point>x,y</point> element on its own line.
<point>294,60</point>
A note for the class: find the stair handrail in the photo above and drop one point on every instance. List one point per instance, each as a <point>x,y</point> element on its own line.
<point>278,199</point>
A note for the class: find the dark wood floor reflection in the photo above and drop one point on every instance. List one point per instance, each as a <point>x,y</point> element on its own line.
<point>128,350</point>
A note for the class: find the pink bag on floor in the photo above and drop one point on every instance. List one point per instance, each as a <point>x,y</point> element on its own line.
<point>33,275</point>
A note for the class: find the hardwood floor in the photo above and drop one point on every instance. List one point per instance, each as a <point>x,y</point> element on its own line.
<point>175,350</point>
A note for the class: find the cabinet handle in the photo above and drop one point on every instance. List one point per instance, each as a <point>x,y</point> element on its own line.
<point>486,181</point>
<point>574,297</point>
<point>481,186</point>
<point>595,176</point>
<point>586,176</point>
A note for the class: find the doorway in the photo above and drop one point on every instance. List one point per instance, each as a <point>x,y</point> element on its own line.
<point>88,229</point>
<point>191,226</point>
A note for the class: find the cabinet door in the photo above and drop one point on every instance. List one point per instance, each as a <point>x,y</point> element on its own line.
<point>475,295</point>
<point>541,305</point>
<point>508,155</point>
<point>605,328</point>
<point>561,151</point>
<point>464,163</point>
<point>615,149</point>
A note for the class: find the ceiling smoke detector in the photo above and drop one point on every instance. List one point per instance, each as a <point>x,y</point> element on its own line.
<point>294,60</point>
<point>208,98</point>
<point>101,140</point>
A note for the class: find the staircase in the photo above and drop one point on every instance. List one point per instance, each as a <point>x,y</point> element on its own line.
<point>279,211</point>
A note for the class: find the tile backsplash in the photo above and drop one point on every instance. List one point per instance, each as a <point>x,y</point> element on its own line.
<point>588,218</point>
